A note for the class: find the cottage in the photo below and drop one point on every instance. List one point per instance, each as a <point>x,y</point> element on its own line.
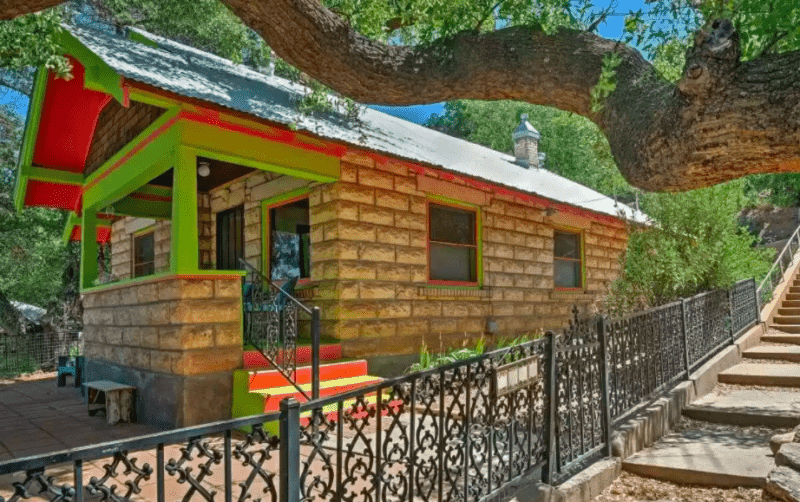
<point>186,163</point>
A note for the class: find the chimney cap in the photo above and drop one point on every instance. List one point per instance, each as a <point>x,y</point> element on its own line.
<point>525,129</point>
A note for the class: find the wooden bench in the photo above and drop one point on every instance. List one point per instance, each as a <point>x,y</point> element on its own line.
<point>116,399</point>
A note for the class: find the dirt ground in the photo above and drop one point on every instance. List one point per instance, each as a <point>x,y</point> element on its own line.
<point>631,488</point>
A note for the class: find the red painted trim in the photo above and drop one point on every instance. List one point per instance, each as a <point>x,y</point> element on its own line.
<point>212,276</point>
<point>103,234</point>
<point>478,245</point>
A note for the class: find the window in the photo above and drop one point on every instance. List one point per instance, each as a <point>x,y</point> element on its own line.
<point>567,267</point>
<point>230,238</point>
<point>144,254</point>
<point>290,245</point>
<point>453,248</point>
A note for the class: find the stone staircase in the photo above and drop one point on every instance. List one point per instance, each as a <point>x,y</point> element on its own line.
<point>259,388</point>
<point>726,441</point>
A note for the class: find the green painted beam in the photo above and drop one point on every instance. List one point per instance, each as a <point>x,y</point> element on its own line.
<point>89,248</point>
<point>99,76</point>
<point>30,135</point>
<point>251,151</point>
<point>141,160</point>
<point>184,252</point>
<point>160,210</point>
<point>72,220</point>
<point>55,176</point>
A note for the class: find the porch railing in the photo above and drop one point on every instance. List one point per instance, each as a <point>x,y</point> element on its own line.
<point>782,262</point>
<point>444,434</point>
<point>271,325</point>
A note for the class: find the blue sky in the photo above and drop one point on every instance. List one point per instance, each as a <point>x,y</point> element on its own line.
<point>611,28</point>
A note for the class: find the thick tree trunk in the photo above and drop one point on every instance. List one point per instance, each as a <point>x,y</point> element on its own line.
<point>724,120</point>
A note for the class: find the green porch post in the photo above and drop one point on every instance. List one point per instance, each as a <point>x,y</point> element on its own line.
<point>184,254</point>
<point>89,248</point>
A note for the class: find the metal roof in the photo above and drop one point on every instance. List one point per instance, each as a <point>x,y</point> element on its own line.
<point>190,72</point>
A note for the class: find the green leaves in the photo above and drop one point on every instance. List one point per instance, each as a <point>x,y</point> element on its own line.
<point>694,245</point>
<point>31,41</point>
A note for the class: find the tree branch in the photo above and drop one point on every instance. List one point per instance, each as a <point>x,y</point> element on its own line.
<point>723,120</point>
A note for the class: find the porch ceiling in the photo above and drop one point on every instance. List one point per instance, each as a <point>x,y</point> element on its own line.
<point>221,172</point>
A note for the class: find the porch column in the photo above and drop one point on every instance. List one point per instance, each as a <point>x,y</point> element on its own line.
<point>184,253</point>
<point>89,248</point>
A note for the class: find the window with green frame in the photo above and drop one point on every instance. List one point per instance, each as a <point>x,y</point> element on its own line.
<point>144,259</point>
<point>452,244</point>
<point>567,260</point>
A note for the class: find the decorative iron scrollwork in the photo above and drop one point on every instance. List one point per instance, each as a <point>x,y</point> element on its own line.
<point>256,449</point>
<point>212,456</point>
<point>109,492</point>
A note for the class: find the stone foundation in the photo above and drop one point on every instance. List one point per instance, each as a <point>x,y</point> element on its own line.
<point>176,339</point>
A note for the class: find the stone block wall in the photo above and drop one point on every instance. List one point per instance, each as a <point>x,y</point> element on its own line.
<point>176,340</point>
<point>122,242</point>
<point>369,255</point>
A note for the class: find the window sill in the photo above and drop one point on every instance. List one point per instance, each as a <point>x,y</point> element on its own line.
<point>435,290</point>
<point>577,295</point>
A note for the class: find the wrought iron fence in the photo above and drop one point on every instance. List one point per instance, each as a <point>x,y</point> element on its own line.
<point>272,325</point>
<point>34,351</point>
<point>461,432</point>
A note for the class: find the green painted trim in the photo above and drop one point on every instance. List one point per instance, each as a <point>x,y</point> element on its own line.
<point>143,209</point>
<point>184,251</point>
<point>582,236</point>
<point>72,220</point>
<point>478,233</point>
<point>89,248</point>
<point>125,282</point>
<point>151,160</point>
<point>55,175</point>
<point>155,190</point>
<point>138,37</point>
<point>30,136</point>
<point>151,99</point>
<point>264,166</point>
<point>128,149</point>
<point>99,76</point>
<point>142,231</point>
<point>266,205</point>
<point>261,153</point>
<point>212,273</point>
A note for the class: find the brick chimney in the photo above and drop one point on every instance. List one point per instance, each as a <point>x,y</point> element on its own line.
<point>526,143</point>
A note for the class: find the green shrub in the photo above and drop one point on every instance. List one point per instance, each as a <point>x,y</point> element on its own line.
<point>695,244</point>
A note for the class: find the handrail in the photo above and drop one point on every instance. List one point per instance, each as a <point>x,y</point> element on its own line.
<point>779,261</point>
<point>315,339</point>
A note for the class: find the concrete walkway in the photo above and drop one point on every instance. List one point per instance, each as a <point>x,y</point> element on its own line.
<point>760,393</point>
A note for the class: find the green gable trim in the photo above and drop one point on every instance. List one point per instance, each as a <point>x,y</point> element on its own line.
<point>99,76</point>
<point>155,190</point>
<point>29,138</point>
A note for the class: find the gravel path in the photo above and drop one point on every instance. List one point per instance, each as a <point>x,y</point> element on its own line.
<point>631,488</point>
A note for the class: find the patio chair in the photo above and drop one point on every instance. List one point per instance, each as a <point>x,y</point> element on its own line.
<point>70,366</point>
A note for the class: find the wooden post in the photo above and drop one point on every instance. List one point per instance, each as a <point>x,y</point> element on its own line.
<point>184,253</point>
<point>89,248</point>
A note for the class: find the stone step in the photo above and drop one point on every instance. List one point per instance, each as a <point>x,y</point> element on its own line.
<point>781,338</point>
<point>709,458</point>
<point>783,483</point>
<point>747,407</point>
<point>786,319</point>
<point>793,311</point>
<point>786,328</point>
<point>771,375</point>
<point>778,352</point>
<point>792,297</point>
<point>791,303</point>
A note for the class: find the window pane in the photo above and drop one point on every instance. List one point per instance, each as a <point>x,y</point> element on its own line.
<point>567,246</point>
<point>452,263</point>
<point>449,224</point>
<point>290,255</point>
<point>143,254</point>
<point>566,274</point>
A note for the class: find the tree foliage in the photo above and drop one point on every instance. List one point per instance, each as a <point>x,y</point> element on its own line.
<point>32,256</point>
<point>694,244</point>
